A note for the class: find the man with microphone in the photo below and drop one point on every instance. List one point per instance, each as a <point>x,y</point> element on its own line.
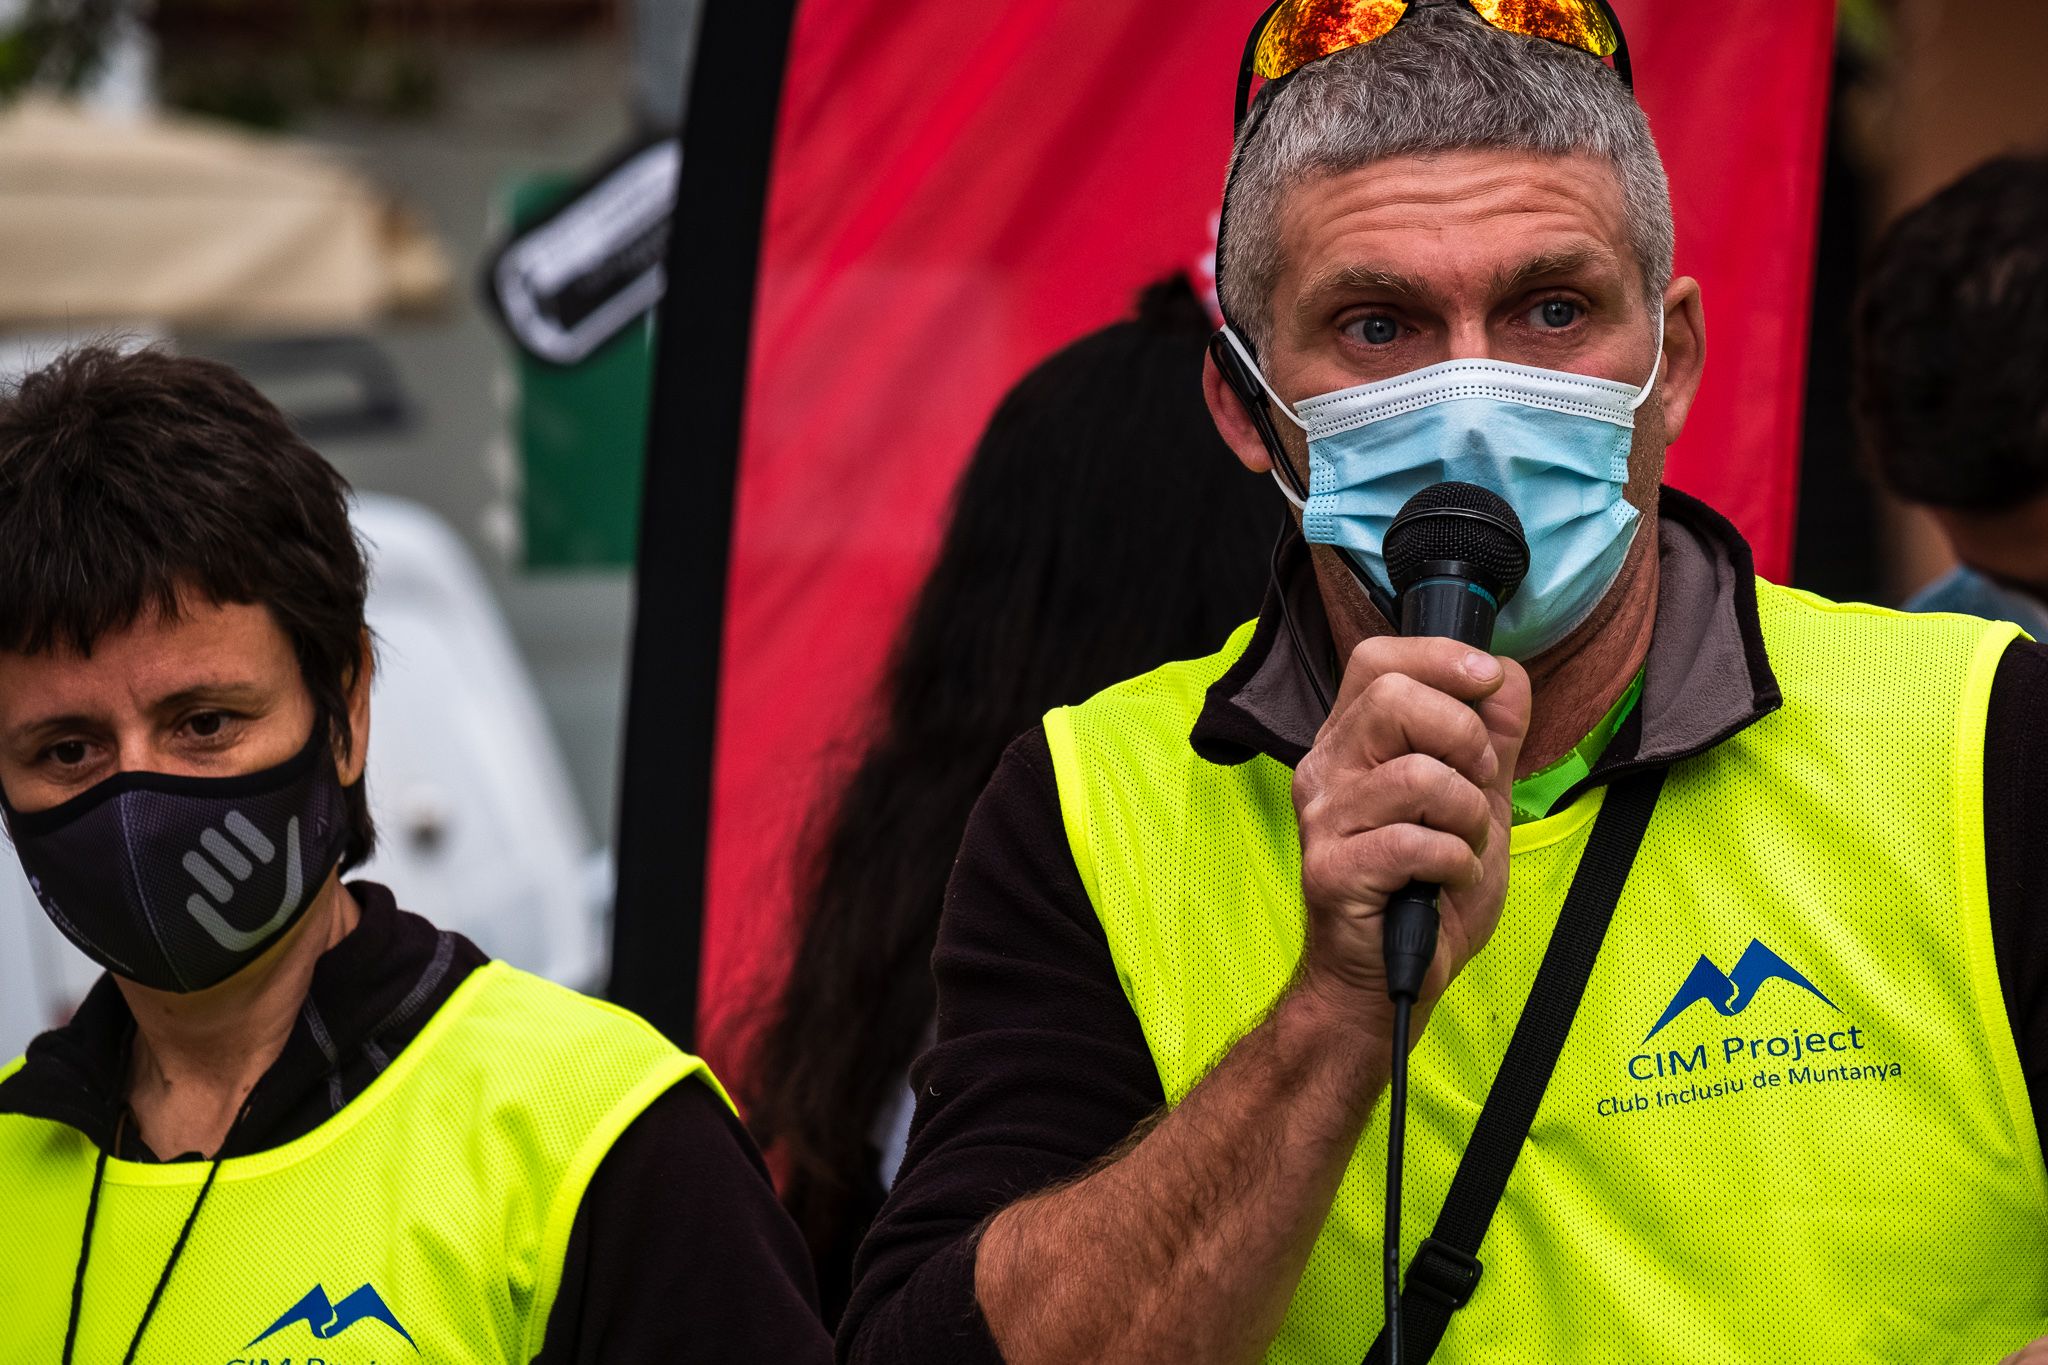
<point>1738,923</point>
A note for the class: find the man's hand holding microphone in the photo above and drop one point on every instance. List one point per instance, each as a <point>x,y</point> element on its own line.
<point>1408,781</point>
<point>1187,1247</point>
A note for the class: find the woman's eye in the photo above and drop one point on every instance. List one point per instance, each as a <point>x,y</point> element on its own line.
<point>207,724</point>
<point>1377,330</point>
<point>68,753</point>
<point>1557,314</point>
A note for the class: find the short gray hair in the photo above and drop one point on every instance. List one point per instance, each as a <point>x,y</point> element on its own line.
<point>1443,81</point>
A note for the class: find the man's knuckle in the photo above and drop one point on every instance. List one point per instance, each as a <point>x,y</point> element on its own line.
<point>1363,857</point>
<point>1385,692</point>
<point>1409,779</point>
<point>1314,871</point>
<point>1368,660</point>
<point>1408,845</point>
<point>1307,797</point>
<point>1472,731</point>
<point>1478,818</point>
<point>1328,865</point>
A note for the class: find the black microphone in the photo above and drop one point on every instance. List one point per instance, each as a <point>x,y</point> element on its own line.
<point>1455,554</point>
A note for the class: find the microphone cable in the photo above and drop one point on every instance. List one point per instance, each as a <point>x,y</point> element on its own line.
<point>1411,927</point>
<point>1397,1136</point>
<point>1456,553</point>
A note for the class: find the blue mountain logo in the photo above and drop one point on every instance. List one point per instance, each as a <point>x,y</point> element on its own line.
<point>1731,992</point>
<point>329,1320</point>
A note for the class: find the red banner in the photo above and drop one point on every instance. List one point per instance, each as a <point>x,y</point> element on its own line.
<point>959,189</point>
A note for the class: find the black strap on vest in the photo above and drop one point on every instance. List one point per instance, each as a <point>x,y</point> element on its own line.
<point>1446,1267</point>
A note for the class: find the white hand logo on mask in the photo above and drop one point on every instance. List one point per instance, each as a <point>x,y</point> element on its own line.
<point>208,872</point>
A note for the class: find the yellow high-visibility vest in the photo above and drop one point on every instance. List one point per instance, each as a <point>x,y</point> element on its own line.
<point>428,1220</point>
<point>1789,1123</point>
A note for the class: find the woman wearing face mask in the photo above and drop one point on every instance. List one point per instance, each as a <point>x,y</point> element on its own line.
<point>292,1119</point>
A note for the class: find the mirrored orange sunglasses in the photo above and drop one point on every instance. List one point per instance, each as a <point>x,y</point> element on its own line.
<point>1294,33</point>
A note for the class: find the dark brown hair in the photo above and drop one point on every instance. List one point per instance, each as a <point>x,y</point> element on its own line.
<point>1102,528</point>
<point>126,476</point>
<point>1951,362</point>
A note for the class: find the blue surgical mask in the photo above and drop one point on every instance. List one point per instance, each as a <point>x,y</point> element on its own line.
<point>1555,445</point>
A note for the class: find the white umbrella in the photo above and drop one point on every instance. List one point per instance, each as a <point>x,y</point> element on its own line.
<point>189,223</point>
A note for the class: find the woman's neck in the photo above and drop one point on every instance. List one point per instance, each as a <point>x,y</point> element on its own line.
<point>197,1056</point>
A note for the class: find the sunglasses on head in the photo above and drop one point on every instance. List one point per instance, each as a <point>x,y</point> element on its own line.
<point>1294,33</point>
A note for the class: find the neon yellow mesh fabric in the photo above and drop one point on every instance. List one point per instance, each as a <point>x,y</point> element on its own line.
<point>1789,1123</point>
<point>446,1191</point>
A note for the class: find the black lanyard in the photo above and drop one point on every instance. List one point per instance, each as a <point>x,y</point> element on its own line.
<point>1446,1267</point>
<point>92,1208</point>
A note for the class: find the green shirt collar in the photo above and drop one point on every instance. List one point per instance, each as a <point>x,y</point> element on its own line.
<point>1535,794</point>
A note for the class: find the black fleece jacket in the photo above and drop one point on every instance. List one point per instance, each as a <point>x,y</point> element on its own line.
<point>679,1251</point>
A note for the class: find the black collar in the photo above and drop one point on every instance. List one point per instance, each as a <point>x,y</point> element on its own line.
<point>371,994</point>
<point>1707,676</point>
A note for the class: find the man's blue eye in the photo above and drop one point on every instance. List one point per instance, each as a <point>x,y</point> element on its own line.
<point>1559,313</point>
<point>1378,331</point>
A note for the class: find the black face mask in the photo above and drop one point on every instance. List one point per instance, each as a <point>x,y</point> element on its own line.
<point>177,883</point>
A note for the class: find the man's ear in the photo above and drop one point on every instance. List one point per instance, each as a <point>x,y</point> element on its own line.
<point>1235,424</point>
<point>1685,354</point>
<point>358,687</point>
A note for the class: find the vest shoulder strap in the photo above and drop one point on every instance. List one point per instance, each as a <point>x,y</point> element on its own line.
<point>1126,747</point>
<point>1446,1267</point>
<point>578,1049</point>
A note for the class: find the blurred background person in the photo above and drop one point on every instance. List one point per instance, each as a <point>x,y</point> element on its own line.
<point>1952,383</point>
<point>1922,91</point>
<point>1098,526</point>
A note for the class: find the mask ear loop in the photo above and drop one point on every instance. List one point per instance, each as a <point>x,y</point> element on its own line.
<point>1229,346</point>
<point>1251,366</point>
<point>1656,370</point>
<point>1234,359</point>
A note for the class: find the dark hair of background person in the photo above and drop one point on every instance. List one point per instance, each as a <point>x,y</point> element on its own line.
<point>1952,343</point>
<point>125,477</point>
<point>1102,528</point>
